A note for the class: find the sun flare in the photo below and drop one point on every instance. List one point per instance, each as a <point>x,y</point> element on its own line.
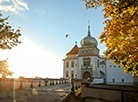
<point>30,60</point>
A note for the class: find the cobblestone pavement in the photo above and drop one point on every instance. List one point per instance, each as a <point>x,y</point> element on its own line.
<point>53,93</point>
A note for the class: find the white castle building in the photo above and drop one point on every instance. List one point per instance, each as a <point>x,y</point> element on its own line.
<point>85,62</point>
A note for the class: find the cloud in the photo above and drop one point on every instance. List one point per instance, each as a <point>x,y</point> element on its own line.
<point>13,5</point>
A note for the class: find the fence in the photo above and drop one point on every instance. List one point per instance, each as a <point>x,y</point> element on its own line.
<point>9,85</point>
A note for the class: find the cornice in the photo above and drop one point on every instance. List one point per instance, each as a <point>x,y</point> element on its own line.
<point>69,59</point>
<point>91,55</point>
<point>89,47</point>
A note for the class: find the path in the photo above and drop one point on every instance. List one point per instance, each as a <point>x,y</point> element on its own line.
<point>53,93</point>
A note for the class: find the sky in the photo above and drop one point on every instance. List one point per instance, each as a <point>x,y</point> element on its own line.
<point>44,25</point>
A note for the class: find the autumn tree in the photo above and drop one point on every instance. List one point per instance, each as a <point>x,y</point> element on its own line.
<point>8,39</point>
<point>4,69</point>
<point>120,32</point>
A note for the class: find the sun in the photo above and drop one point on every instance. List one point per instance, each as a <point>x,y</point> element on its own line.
<point>29,60</point>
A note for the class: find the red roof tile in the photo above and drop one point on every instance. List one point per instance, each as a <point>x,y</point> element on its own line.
<point>73,51</point>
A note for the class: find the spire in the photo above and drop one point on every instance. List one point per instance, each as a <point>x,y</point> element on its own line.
<point>89,28</point>
<point>75,42</point>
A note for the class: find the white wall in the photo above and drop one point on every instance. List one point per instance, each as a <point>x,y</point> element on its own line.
<point>117,74</point>
<point>80,63</point>
<point>93,63</point>
<point>69,69</point>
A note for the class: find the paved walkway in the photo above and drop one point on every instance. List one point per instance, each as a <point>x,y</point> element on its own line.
<point>53,93</point>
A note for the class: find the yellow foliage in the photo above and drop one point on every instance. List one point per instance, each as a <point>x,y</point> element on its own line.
<point>121,31</point>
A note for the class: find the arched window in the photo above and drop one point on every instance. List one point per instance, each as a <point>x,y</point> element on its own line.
<point>67,64</point>
<point>72,74</point>
<point>72,64</point>
<point>86,61</point>
<point>67,74</point>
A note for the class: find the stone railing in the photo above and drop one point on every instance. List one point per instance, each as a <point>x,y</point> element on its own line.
<point>76,86</point>
<point>110,93</point>
<point>9,85</point>
<point>41,82</point>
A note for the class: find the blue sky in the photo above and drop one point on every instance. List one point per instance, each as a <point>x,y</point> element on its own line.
<point>43,29</point>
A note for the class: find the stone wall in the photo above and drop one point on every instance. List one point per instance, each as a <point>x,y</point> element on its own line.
<point>110,93</point>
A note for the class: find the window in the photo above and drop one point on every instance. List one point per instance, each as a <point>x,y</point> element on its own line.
<point>122,80</point>
<point>113,80</point>
<point>114,65</point>
<point>102,66</point>
<point>110,66</point>
<point>76,65</point>
<point>72,64</point>
<point>119,66</point>
<point>67,74</point>
<point>98,63</point>
<point>67,64</point>
<point>72,74</point>
<point>86,61</point>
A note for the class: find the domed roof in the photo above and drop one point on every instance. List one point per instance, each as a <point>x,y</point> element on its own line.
<point>89,41</point>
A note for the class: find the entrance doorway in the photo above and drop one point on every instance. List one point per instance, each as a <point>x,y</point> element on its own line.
<point>86,75</point>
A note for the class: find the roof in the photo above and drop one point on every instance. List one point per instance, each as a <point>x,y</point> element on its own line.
<point>73,51</point>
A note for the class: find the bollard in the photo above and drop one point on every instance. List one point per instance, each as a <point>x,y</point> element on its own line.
<point>50,82</point>
<point>79,83</point>
<point>21,85</point>
<point>31,86</point>
<point>39,85</point>
<point>76,85</point>
<point>72,88</point>
<point>21,82</point>
<point>53,82</point>
<point>46,83</point>
<point>56,82</point>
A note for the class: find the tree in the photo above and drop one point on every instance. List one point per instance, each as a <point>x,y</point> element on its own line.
<point>4,71</point>
<point>120,32</point>
<point>8,39</point>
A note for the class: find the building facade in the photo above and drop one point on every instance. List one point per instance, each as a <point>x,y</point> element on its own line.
<point>85,62</point>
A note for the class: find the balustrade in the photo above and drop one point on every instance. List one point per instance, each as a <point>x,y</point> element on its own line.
<point>76,86</point>
<point>40,81</point>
